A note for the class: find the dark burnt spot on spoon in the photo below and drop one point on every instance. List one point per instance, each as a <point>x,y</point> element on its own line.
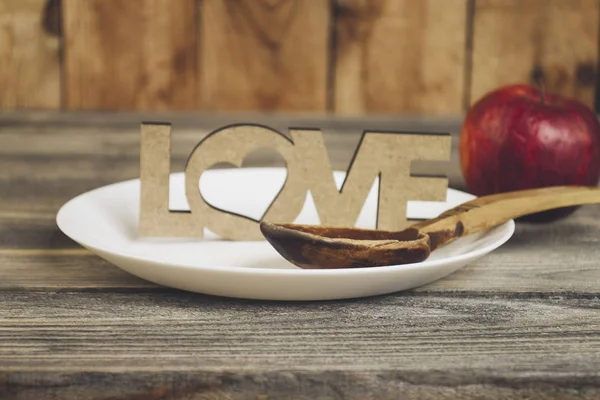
<point>438,238</point>
<point>459,229</point>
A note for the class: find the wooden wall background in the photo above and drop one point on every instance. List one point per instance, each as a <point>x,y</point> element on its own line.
<point>431,57</point>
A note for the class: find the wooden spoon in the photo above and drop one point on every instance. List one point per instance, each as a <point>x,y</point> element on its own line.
<point>322,247</point>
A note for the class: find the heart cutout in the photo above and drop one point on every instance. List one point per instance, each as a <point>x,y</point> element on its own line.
<point>223,191</point>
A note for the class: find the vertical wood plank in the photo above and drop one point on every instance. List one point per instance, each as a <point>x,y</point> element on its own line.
<point>399,56</point>
<point>522,40</point>
<point>123,55</point>
<point>264,55</point>
<point>29,54</point>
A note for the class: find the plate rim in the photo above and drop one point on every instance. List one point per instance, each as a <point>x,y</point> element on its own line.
<point>508,228</point>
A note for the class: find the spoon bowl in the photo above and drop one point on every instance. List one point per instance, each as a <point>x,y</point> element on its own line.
<point>311,247</point>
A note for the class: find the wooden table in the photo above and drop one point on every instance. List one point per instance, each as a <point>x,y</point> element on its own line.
<point>523,322</point>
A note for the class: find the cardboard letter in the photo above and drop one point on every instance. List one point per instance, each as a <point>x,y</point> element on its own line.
<point>387,155</point>
<point>155,158</point>
<point>231,144</point>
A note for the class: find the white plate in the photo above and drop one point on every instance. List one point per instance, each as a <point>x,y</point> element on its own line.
<point>105,220</point>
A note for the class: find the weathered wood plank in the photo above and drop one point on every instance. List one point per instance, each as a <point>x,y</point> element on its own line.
<point>519,41</point>
<point>299,385</point>
<point>264,55</point>
<point>130,55</point>
<point>44,120</point>
<point>74,269</point>
<point>402,57</point>
<point>197,346</point>
<point>29,54</point>
<point>27,231</point>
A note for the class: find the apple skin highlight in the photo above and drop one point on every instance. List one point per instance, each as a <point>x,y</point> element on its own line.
<point>518,137</point>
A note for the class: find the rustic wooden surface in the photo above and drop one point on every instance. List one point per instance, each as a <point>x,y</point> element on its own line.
<point>130,55</point>
<point>522,322</point>
<point>396,56</point>
<point>516,40</point>
<point>29,54</point>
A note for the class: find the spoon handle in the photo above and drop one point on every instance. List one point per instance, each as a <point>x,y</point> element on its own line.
<point>488,211</point>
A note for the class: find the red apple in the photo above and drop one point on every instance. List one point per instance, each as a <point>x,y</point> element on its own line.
<point>517,137</point>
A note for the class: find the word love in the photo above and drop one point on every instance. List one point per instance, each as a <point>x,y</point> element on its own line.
<point>385,155</point>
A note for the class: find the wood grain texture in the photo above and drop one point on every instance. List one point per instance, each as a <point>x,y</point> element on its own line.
<point>71,269</point>
<point>401,56</point>
<point>522,322</point>
<point>177,345</point>
<point>29,50</point>
<point>130,55</point>
<point>264,55</point>
<point>521,41</point>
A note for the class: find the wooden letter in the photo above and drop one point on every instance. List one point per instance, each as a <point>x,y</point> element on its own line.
<point>155,157</point>
<point>231,144</point>
<point>387,155</point>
